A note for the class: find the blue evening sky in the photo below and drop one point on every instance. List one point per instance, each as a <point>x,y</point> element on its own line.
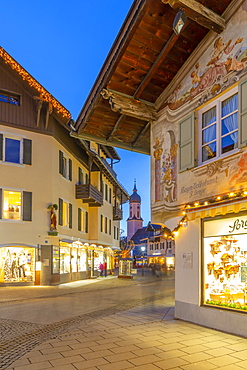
<point>63,44</point>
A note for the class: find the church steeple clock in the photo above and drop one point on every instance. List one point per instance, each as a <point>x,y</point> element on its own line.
<point>134,222</point>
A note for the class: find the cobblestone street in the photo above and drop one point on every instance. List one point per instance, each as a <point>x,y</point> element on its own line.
<point>134,334</point>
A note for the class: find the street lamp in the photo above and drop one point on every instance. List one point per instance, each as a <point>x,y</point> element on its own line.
<point>179,21</point>
<point>143,249</point>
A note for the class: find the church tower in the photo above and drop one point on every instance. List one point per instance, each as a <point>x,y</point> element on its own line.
<point>134,222</point>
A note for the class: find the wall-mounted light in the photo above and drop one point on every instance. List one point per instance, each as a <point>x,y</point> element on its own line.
<point>179,21</point>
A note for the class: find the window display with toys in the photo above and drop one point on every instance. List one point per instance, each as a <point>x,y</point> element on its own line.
<point>225,264</point>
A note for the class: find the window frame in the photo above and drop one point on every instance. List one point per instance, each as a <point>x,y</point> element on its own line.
<point>218,104</point>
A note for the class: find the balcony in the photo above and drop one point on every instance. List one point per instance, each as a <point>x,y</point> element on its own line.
<point>117,214</point>
<point>89,194</point>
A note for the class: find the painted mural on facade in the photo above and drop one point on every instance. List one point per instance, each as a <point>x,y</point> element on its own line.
<point>222,65</point>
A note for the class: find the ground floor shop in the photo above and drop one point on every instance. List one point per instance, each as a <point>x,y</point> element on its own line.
<point>50,264</point>
<point>211,273</point>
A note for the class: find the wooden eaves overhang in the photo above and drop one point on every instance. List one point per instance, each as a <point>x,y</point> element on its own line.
<point>144,65</point>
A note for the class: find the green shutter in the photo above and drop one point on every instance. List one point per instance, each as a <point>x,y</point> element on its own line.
<point>70,169</point>
<point>61,162</point>
<point>70,215</point>
<point>79,219</point>
<point>109,227</point>
<point>80,176</point>
<point>60,212</point>
<point>86,179</point>
<point>1,194</point>
<point>27,151</point>
<point>186,143</point>
<point>242,116</point>
<point>86,222</point>
<point>27,206</point>
<point>1,147</point>
<point>101,223</point>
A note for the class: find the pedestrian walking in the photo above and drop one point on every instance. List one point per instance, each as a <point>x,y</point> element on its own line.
<point>105,268</point>
<point>101,268</point>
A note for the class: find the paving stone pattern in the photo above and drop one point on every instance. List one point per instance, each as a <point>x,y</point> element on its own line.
<point>17,338</point>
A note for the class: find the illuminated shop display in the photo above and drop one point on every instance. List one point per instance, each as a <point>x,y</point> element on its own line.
<point>64,260</point>
<point>82,258</point>
<point>225,262</point>
<point>17,264</point>
<point>74,259</point>
<point>55,260</point>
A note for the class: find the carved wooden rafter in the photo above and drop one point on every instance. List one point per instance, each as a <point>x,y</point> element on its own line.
<point>129,106</point>
<point>199,13</point>
<point>39,106</point>
<point>116,126</point>
<point>142,133</point>
<point>49,111</point>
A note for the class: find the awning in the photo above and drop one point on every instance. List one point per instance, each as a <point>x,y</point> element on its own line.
<point>216,210</point>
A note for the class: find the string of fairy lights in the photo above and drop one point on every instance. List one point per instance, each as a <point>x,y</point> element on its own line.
<point>44,94</point>
<point>218,200</point>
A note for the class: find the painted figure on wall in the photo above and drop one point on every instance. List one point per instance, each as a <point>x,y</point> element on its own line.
<point>240,174</point>
<point>169,168</point>
<point>223,61</point>
<point>157,156</point>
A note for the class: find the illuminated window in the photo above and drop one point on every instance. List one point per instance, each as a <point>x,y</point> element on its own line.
<point>11,205</point>
<point>65,214</point>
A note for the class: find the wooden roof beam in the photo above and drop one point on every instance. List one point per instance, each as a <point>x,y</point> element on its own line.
<point>163,54</point>
<point>199,13</point>
<point>143,131</point>
<point>116,126</point>
<point>129,106</point>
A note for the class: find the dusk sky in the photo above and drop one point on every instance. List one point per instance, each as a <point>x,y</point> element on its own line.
<point>63,45</point>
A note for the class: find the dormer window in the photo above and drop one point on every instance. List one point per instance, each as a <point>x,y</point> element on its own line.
<point>9,98</point>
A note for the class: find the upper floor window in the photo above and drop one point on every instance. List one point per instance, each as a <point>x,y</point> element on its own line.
<point>14,149</point>
<point>151,247</point>
<point>218,127</point>
<point>15,205</point>
<point>9,98</point>
<point>65,213</point>
<point>65,166</point>
<point>82,220</point>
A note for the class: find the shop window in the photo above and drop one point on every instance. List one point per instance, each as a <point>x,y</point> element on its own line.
<point>82,258</point>
<point>15,205</point>
<point>65,166</point>
<point>14,149</point>
<point>9,98</point>
<point>74,259</point>
<point>225,262</point>
<point>64,260</point>
<point>218,127</point>
<point>55,260</point>
<point>17,263</point>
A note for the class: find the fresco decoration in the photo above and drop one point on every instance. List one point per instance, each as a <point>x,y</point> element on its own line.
<point>221,66</point>
<point>239,171</point>
<point>165,155</point>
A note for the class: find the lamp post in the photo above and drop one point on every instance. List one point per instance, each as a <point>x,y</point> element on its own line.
<point>143,249</point>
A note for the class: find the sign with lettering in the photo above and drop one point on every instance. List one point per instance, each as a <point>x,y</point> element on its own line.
<point>226,226</point>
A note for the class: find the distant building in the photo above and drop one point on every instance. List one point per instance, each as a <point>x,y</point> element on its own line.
<point>134,222</point>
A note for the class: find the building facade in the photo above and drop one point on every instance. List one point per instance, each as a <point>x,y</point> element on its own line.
<point>60,201</point>
<point>181,98</point>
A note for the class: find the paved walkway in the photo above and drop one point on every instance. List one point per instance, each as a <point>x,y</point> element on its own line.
<point>145,337</point>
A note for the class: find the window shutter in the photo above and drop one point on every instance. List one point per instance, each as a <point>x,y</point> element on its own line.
<point>101,223</point>
<point>86,222</point>
<point>1,147</point>
<point>110,195</point>
<point>242,116</point>
<point>70,215</point>
<point>60,212</point>
<point>186,143</point>
<point>80,176</point>
<point>1,192</point>
<point>27,151</point>
<point>109,227</point>
<point>70,169</point>
<point>27,206</point>
<point>79,219</point>
<point>60,162</point>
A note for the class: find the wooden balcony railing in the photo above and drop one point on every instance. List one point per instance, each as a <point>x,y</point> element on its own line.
<point>117,214</point>
<point>89,194</point>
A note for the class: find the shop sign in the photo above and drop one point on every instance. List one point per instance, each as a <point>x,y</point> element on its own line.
<point>226,226</point>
